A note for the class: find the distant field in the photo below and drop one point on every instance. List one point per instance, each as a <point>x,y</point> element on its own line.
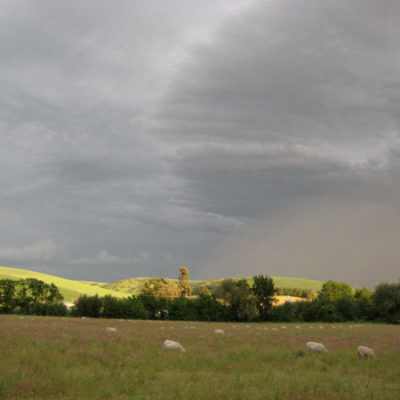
<point>285,282</point>
<point>70,289</point>
<point>67,358</point>
<point>282,299</point>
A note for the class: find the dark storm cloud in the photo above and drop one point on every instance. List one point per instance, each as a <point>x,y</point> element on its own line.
<point>292,99</point>
<point>293,103</point>
<point>140,135</point>
<point>81,182</point>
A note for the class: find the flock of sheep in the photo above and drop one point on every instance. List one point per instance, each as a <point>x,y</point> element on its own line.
<point>362,351</point>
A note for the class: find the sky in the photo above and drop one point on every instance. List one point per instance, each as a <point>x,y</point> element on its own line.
<point>236,137</point>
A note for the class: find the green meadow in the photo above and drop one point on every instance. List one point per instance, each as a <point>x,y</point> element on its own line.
<point>70,289</point>
<point>71,358</point>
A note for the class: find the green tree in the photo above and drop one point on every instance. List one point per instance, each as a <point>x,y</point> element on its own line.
<point>332,291</point>
<point>364,303</point>
<point>88,306</point>
<point>264,290</point>
<point>386,301</point>
<point>160,287</point>
<point>184,287</point>
<point>205,291</point>
<point>236,294</point>
<point>7,295</point>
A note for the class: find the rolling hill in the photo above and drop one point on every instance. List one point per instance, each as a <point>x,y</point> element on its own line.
<point>134,285</point>
<point>72,289</point>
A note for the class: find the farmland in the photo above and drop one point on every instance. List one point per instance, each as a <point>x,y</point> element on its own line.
<point>69,358</point>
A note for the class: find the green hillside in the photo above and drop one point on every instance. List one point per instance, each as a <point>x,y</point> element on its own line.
<point>130,285</point>
<point>134,285</point>
<point>70,289</point>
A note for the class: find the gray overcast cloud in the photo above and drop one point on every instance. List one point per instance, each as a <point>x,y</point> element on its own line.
<point>140,136</point>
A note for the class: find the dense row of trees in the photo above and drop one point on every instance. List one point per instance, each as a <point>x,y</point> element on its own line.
<point>337,302</point>
<point>231,300</point>
<point>30,296</point>
<point>235,300</point>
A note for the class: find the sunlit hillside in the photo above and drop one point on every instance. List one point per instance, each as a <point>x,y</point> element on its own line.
<point>70,289</point>
<point>134,285</point>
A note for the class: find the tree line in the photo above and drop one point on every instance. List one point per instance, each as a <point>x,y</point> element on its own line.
<point>231,300</point>
<point>30,296</point>
<point>235,300</point>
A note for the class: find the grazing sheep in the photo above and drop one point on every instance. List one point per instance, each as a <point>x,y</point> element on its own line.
<point>111,330</point>
<point>318,347</point>
<point>297,327</point>
<point>171,345</point>
<point>219,331</point>
<point>365,352</point>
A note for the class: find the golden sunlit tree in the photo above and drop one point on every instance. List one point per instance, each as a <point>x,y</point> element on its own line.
<point>184,287</point>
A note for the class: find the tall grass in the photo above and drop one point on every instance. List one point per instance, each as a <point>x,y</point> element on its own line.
<point>66,358</point>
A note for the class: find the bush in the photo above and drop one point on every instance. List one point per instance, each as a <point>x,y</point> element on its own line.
<point>87,306</point>
<point>284,313</point>
<point>386,300</point>
<point>53,309</point>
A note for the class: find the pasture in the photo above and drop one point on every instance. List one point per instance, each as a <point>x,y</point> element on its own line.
<point>70,358</point>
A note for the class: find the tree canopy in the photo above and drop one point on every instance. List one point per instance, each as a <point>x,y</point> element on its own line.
<point>264,290</point>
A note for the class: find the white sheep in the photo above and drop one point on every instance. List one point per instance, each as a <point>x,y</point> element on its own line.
<point>365,352</point>
<point>318,347</point>
<point>171,345</point>
<point>111,330</point>
<point>219,331</point>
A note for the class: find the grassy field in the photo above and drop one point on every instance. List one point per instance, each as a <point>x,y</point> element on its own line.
<point>66,358</point>
<point>70,289</point>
